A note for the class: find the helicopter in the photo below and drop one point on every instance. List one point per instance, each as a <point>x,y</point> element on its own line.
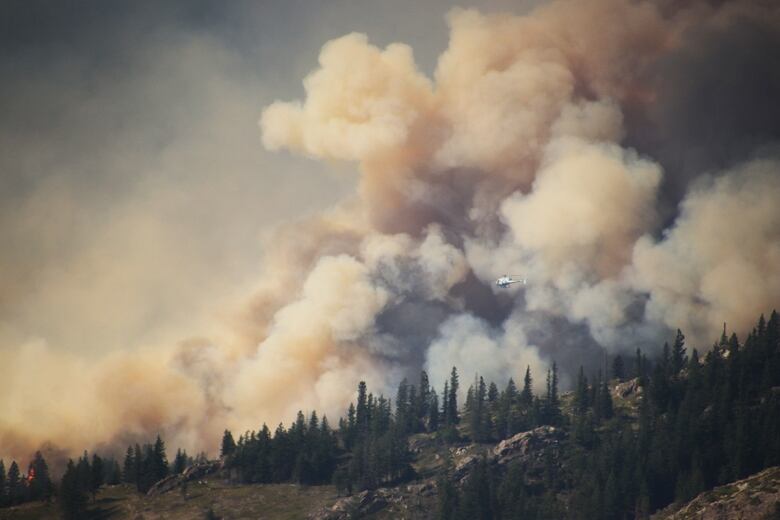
<point>505,281</point>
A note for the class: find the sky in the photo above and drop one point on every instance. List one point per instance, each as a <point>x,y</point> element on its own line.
<point>202,203</point>
<point>131,172</point>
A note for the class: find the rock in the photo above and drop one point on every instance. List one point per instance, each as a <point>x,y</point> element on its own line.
<point>528,446</point>
<point>464,467</point>
<point>627,389</point>
<point>356,506</point>
<point>756,497</point>
<point>196,472</point>
<point>421,442</point>
<point>423,489</point>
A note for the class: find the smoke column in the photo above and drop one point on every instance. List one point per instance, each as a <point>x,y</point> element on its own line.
<point>538,149</point>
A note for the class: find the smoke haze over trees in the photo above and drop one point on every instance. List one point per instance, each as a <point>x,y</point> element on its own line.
<point>626,166</point>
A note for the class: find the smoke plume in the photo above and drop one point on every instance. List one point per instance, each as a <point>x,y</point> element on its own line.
<point>536,149</point>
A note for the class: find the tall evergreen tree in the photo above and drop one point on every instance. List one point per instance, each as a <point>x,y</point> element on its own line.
<point>15,486</point>
<point>3,492</point>
<point>618,368</point>
<point>433,412</point>
<point>160,460</point>
<point>452,399</point>
<point>73,498</point>
<point>39,481</point>
<point>96,476</point>
<point>228,444</point>
<point>678,357</point>
<point>527,394</point>
<point>128,468</point>
<point>424,398</point>
<point>362,412</point>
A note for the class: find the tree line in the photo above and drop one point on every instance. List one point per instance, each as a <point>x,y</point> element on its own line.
<point>701,422</point>
<point>17,488</point>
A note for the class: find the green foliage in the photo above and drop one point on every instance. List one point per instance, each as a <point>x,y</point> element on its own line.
<point>73,494</point>
<point>700,424</point>
<point>228,444</point>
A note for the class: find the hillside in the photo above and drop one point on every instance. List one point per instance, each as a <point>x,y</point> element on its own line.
<point>754,498</point>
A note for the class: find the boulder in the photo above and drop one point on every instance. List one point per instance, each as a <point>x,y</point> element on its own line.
<point>356,506</point>
<point>627,389</point>
<point>195,472</point>
<point>529,446</point>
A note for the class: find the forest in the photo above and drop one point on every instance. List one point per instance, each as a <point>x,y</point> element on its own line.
<point>702,420</point>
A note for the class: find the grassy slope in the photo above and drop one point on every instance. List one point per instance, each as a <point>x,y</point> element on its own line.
<point>279,501</point>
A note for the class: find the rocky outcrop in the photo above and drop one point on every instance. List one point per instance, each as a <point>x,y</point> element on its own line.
<point>355,506</point>
<point>754,498</point>
<point>196,472</point>
<point>530,446</point>
<point>395,500</point>
<point>533,449</point>
<point>627,389</point>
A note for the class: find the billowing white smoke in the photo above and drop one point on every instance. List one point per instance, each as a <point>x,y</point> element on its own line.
<point>721,259</point>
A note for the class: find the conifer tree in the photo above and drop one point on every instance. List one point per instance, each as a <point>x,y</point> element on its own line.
<point>448,493</point>
<point>424,397</point>
<point>138,463</point>
<point>618,368</point>
<point>678,357</point>
<point>40,485</point>
<point>15,490</point>
<point>160,460</point>
<point>96,475</point>
<point>73,498</point>
<point>527,394</point>
<point>228,444</point>
<point>433,412</point>
<point>361,416</point>
<point>179,462</point>
<point>581,393</point>
<point>452,399</point>
<point>3,492</point>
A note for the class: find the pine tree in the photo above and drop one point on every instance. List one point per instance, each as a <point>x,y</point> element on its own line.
<point>39,481</point>
<point>73,499</point>
<point>15,489</point>
<point>402,405</point>
<point>228,444</point>
<point>448,493</point>
<point>424,398</point>
<point>138,463</point>
<point>605,407</point>
<point>581,393</point>
<point>160,461</point>
<point>3,493</point>
<point>96,476</point>
<point>492,395</point>
<point>113,474</point>
<point>351,427</point>
<point>476,502</point>
<point>639,367</point>
<point>433,412</point>
<point>678,358</point>
<point>361,417</point>
<point>452,399</point>
<point>445,405</point>
<point>478,412</point>
<point>179,462</point>
<point>527,394</point>
<point>618,368</point>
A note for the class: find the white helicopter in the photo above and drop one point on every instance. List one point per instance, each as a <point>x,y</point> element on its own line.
<point>505,281</point>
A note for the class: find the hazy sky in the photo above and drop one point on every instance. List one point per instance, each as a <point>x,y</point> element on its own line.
<point>133,187</point>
